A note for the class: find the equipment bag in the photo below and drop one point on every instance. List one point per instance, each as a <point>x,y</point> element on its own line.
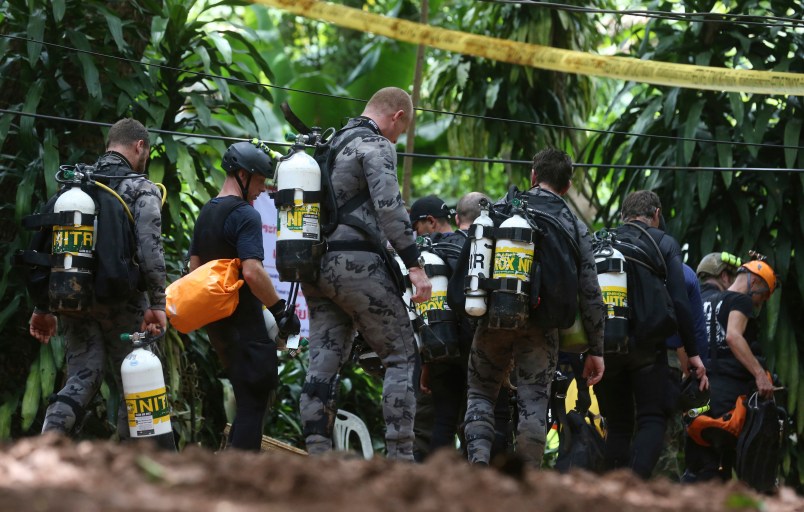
<point>205,295</point>
<point>555,299</point>
<point>581,446</point>
<point>653,315</point>
<point>760,446</point>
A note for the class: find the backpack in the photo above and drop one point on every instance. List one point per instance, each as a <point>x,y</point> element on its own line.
<point>115,267</point>
<point>760,446</point>
<point>653,315</point>
<point>555,299</point>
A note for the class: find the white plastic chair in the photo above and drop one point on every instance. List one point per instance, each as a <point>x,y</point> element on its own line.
<point>345,424</point>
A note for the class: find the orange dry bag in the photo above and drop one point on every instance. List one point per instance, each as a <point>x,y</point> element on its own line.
<point>205,295</point>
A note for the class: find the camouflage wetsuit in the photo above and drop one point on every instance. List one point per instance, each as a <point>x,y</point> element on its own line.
<point>355,292</point>
<point>94,337</point>
<point>535,352</point>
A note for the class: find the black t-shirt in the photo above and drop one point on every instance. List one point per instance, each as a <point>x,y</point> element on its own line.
<point>243,231</point>
<point>722,359</point>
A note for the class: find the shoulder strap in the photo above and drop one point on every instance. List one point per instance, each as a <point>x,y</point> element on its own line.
<point>344,211</point>
<point>663,268</point>
<point>572,240</point>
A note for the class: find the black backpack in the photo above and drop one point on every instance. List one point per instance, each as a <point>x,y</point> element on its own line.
<point>760,446</point>
<point>653,315</point>
<point>558,254</point>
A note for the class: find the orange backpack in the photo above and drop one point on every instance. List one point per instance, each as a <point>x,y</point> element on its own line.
<point>205,295</point>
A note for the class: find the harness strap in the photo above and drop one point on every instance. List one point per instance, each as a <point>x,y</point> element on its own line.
<point>352,245</point>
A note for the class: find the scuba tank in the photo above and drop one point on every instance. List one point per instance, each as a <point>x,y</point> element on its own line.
<point>613,282</point>
<point>509,304</point>
<point>480,262</point>
<point>71,287</point>
<point>145,392</point>
<point>298,224</point>
<point>438,330</point>
<point>408,301</point>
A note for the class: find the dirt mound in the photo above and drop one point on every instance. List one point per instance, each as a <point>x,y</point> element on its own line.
<point>49,473</point>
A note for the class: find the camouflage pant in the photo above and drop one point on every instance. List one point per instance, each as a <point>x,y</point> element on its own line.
<point>535,353</point>
<point>91,340</point>
<point>355,292</point>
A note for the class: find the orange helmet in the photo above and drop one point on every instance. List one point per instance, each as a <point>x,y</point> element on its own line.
<point>763,270</point>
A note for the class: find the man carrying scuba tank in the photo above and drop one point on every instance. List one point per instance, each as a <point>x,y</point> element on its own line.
<point>92,332</point>
<point>533,348</point>
<point>356,289</point>
<point>632,394</point>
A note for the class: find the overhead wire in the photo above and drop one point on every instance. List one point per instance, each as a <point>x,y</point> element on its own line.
<point>420,155</point>
<point>692,17</point>
<point>433,111</point>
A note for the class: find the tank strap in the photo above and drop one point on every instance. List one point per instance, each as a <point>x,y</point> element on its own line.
<point>611,265</point>
<point>440,315</point>
<point>39,259</point>
<point>485,231</point>
<point>286,197</point>
<point>506,284</point>
<point>516,234</point>
<point>622,311</point>
<point>67,218</point>
<point>436,270</point>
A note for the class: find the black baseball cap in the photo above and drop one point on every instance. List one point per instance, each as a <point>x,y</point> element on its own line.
<point>431,205</point>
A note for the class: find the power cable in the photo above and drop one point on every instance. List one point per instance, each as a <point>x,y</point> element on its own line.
<point>433,111</point>
<point>422,155</point>
<point>692,17</point>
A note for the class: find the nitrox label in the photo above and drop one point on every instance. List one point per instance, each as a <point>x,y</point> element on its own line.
<point>438,300</point>
<point>73,239</point>
<point>300,220</point>
<point>148,412</point>
<point>614,296</point>
<point>513,262</point>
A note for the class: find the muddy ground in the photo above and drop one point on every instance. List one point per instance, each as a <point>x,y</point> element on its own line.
<point>48,473</point>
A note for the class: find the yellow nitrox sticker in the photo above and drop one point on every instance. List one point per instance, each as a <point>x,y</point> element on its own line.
<point>72,239</point>
<point>545,57</point>
<point>148,408</point>
<point>614,296</point>
<point>438,300</point>
<point>512,262</point>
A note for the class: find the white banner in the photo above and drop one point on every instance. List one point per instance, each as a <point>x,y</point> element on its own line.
<point>265,205</point>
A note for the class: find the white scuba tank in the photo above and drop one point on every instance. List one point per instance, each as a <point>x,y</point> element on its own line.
<point>613,282</point>
<point>513,260</point>
<point>480,263</point>
<point>146,396</point>
<point>71,288</point>
<point>439,334</point>
<point>408,300</point>
<point>298,216</point>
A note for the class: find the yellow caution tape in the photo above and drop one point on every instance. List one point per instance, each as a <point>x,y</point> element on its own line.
<point>545,57</point>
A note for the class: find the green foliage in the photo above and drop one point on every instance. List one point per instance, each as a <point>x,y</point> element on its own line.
<point>733,211</point>
<point>483,87</point>
<point>165,53</point>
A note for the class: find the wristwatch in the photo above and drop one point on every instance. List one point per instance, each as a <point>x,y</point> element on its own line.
<point>420,262</point>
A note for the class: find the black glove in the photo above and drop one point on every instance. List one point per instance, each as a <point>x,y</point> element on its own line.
<point>288,325</point>
<point>278,309</point>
